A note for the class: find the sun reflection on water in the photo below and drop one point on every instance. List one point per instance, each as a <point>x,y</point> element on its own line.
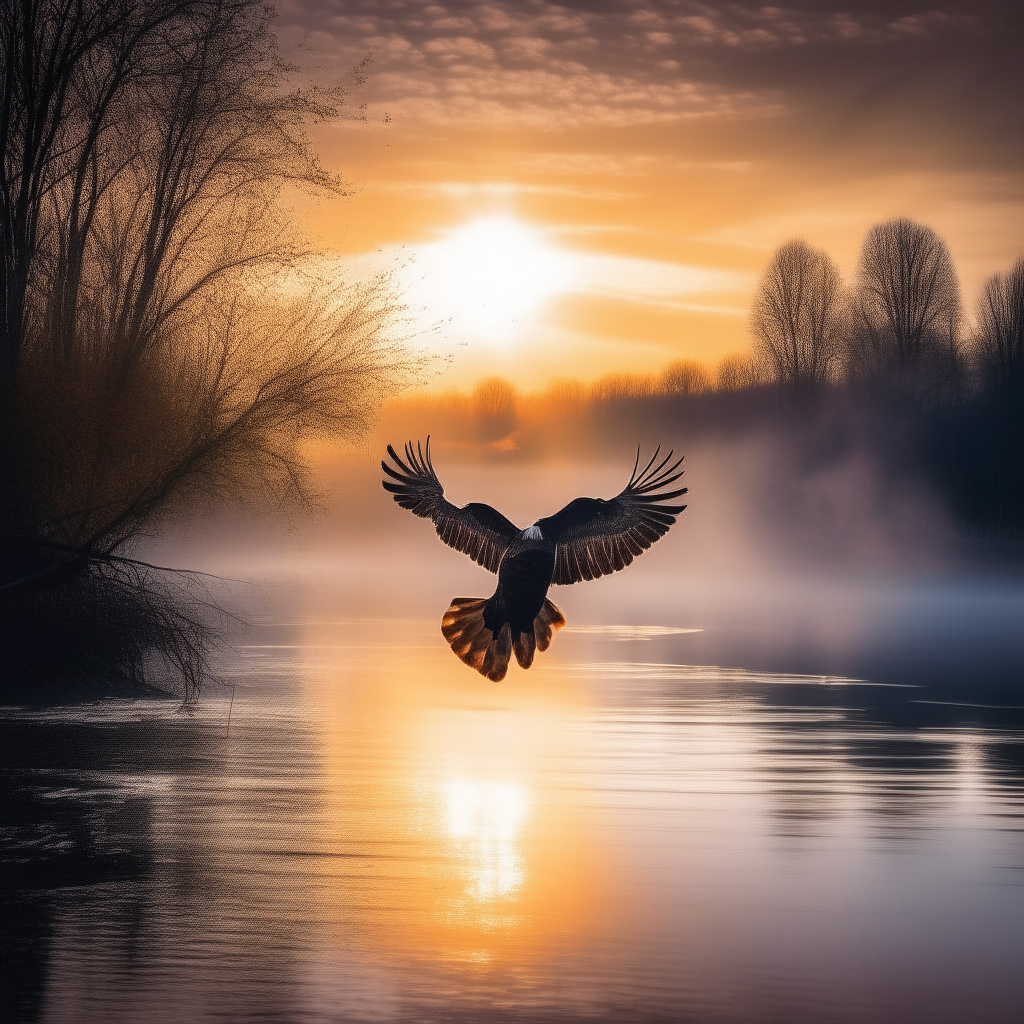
<point>483,820</point>
<point>441,804</point>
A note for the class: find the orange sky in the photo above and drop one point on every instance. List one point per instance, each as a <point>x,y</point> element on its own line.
<point>652,156</point>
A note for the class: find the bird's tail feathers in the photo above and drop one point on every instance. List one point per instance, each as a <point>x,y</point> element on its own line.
<point>463,627</point>
<point>548,622</point>
<point>489,653</point>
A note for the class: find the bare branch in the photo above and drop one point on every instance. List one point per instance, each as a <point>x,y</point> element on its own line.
<point>796,317</point>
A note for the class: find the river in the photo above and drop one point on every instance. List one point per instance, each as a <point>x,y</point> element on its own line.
<point>354,827</point>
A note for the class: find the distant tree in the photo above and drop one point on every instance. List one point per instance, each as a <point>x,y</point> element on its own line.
<point>987,454</point>
<point>1000,337</point>
<point>796,317</point>
<point>494,402</point>
<point>615,386</point>
<point>494,397</point>
<point>906,308</point>
<point>685,377</point>
<point>736,372</point>
<point>565,393</point>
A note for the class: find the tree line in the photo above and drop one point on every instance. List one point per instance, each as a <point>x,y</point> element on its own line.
<point>901,321</point>
<point>898,332</point>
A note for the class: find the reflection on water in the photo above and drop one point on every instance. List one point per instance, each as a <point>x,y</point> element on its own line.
<point>617,834</point>
<point>483,819</point>
<point>631,632</point>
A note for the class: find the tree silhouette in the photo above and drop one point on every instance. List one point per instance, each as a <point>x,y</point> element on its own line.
<point>67,65</point>
<point>1000,338</point>
<point>736,372</point>
<point>906,308</point>
<point>494,408</point>
<point>990,440</point>
<point>166,339</point>
<point>685,377</point>
<point>612,387</point>
<point>796,315</point>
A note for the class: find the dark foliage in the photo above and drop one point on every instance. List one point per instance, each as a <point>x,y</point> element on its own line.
<point>164,341</point>
<point>115,625</point>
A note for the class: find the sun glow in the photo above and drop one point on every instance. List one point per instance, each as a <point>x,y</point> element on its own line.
<point>494,272</point>
<point>483,819</point>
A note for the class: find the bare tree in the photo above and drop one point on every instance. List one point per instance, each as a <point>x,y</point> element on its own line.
<point>796,316</point>
<point>494,402</point>
<point>173,187</point>
<point>906,309</point>
<point>685,377</point>
<point>565,392</point>
<point>736,372</point>
<point>65,67</point>
<point>622,386</point>
<point>1000,336</point>
<point>147,254</point>
<point>217,413</point>
<point>164,338</point>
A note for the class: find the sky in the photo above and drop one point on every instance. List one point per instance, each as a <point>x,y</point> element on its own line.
<point>568,190</point>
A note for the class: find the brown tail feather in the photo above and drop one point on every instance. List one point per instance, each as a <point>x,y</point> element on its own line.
<point>525,646</point>
<point>548,622</point>
<point>496,659</point>
<point>463,627</point>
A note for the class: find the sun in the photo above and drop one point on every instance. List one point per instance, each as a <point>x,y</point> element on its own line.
<point>494,272</point>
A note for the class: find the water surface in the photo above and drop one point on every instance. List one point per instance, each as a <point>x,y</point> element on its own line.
<point>377,834</point>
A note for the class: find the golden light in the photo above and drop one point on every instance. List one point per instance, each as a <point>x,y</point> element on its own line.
<point>448,848</point>
<point>483,820</point>
<point>494,272</point>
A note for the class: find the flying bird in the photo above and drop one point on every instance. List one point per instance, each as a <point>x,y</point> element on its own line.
<point>588,538</point>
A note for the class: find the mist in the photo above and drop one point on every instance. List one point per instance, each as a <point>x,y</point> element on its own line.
<point>816,539</point>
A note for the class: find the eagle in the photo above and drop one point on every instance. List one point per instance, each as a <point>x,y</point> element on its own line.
<point>588,538</point>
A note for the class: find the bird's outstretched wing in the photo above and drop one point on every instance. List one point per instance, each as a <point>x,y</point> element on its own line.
<point>594,537</point>
<point>478,530</point>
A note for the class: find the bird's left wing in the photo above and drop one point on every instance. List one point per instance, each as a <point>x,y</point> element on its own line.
<point>476,529</point>
<point>594,537</point>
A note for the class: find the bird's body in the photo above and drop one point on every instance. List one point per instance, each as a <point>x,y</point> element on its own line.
<point>524,576</point>
<point>588,538</point>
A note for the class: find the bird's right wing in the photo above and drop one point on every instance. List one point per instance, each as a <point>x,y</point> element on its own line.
<point>594,537</point>
<point>476,529</point>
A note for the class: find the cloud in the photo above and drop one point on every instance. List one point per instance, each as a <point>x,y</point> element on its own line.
<point>658,282</point>
<point>625,63</point>
<point>503,64</point>
<point>654,283</point>
<point>627,165</point>
<point>463,48</point>
<point>463,189</point>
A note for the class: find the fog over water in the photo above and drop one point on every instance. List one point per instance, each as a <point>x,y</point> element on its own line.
<point>838,570</point>
<point>770,772</point>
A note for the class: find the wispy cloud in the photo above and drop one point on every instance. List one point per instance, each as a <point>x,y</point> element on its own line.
<point>542,65</point>
<point>661,282</point>
<point>418,271</point>
<point>497,189</point>
<point>505,64</point>
<point>623,165</point>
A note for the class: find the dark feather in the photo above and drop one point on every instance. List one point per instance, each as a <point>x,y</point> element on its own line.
<point>489,651</point>
<point>594,537</point>
<point>476,529</point>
